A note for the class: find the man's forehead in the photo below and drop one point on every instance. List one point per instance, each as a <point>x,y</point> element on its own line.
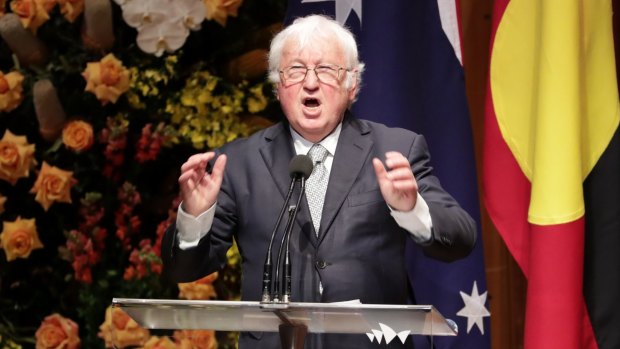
<point>322,47</point>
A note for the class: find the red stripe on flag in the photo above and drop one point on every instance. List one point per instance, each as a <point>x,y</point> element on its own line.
<point>506,190</point>
<point>555,304</point>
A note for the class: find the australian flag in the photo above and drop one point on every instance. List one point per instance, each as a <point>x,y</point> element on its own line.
<point>414,79</point>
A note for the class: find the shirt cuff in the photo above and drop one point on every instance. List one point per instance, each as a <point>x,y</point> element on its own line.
<point>191,229</point>
<point>417,221</point>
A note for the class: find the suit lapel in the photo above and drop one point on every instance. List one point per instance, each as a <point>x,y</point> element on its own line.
<point>351,153</point>
<point>277,154</point>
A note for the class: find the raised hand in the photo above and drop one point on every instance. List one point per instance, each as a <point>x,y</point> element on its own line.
<point>398,185</point>
<point>199,189</point>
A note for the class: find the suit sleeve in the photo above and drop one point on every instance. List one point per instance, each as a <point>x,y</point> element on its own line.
<point>453,235</point>
<point>190,264</point>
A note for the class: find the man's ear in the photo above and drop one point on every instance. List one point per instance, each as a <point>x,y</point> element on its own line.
<point>275,90</point>
<point>353,85</point>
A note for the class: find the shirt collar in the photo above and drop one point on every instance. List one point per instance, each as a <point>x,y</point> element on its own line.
<point>302,145</point>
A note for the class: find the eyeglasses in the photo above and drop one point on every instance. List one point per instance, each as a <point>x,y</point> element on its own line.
<point>326,73</point>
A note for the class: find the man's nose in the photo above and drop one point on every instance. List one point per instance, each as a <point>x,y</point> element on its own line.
<point>311,81</point>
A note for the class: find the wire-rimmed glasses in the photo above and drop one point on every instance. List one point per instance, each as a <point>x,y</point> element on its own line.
<point>326,73</point>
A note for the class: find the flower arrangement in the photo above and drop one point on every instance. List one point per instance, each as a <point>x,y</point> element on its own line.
<point>100,103</point>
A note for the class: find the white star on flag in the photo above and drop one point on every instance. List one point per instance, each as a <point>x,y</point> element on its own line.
<point>344,8</point>
<point>474,309</point>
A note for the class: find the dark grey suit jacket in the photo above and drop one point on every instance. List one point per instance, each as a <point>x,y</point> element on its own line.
<point>359,252</point>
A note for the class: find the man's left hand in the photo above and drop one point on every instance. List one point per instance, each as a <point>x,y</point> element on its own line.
<point>397,183</point>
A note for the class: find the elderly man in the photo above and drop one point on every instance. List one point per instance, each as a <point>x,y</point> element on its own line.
<point>348,241</point>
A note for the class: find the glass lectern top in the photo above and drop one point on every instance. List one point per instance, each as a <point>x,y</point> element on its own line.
<point>254,316</point>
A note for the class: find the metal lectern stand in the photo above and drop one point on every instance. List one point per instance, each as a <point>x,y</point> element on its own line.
<point>292,320</point>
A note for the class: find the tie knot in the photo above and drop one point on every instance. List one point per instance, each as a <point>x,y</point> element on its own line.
<point>318,153</point>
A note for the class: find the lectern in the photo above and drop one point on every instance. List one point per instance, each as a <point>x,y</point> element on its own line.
<point>379,322</point>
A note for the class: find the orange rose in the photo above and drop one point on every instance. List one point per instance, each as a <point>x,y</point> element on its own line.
<point>11,88</point>
<point>199,289</point>
<point>57,332</point>
<point>71,9</point>
<point>32,13</point>
<point>53,184</point>
<point>78,136</point>
<point>19,238</point>
<point>159,343</point>
<point>16,157</point>
<point>196,339</point>
<point>107,79</point>
<point>121,328</point>
<point>219,10</point>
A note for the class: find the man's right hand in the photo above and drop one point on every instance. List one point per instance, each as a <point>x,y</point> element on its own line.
<point>199,189</point>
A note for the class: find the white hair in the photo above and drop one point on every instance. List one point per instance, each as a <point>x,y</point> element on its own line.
<point>306,30</point>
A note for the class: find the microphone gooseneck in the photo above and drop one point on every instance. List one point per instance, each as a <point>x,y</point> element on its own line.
<point>287,259</point>
<point>299,167</point>
<point>277,292</point>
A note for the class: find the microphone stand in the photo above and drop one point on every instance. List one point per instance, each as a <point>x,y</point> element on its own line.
<point>277,290</point>
<point>286,297</point>
<point>267,268</point>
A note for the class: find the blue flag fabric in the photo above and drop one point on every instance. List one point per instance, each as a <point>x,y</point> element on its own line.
<point>414,80</point>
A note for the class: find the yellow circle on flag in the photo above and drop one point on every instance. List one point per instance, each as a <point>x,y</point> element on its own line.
<point>555,94</point>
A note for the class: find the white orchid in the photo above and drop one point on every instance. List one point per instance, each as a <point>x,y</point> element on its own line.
<point>192,12</point>
<point>155,38</point>
<point>163,25</point>
<point>137,13</point>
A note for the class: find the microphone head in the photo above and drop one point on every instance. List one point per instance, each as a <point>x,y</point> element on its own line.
<point>300,166</point>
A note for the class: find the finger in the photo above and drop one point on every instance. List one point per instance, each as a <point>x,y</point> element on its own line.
<point>395,159</point>
<point>380,170</point>
<point>400,173</point>
<point>218,169</point>
<point>197,161</point>
<point>190,175</point>
<point>405,185</point>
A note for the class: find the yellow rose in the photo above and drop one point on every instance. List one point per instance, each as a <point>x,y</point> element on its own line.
<point>19,238</point>
<point>107,79</point>
<point>16,157</point>
<point>121,331</point>
<point>11,88</point>
<point>53,184</point>
<point>78,136</point>
<point>57,332</point>
<point>257,101</point>
<point>196,339</point>
<point>199,289</point>
<point>71,9</point>
<point>32,13</point>
<point>219,10</point>
<point>159,343</point>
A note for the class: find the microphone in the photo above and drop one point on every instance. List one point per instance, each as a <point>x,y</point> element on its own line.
<point>299,167</point>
